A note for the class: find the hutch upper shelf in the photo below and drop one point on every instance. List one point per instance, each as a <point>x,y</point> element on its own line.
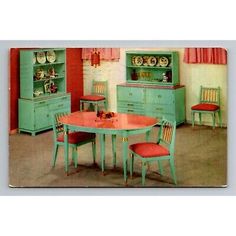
<point>152,67</point>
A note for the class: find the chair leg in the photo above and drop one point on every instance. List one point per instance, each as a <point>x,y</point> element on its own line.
<point>220,118</point>
<point>144,169</point>
<point>55,151</point>
<point>75,156</point>
<point>193,114</point>
<point>94,151</point>
<point>160,167</point>
<point>200,118</point>
<point>172,169</point>
<point>131,164</point>
<point>81,106</point>
<point>114,149</point>
<point>213,120</point>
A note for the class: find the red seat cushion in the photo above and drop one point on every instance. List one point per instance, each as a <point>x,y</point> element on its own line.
<point>149,149</point>
<point>205,107</point>
<point>76,137</point>
<point>92,98</point>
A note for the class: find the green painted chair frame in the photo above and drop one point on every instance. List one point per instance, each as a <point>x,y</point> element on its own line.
<point>209,104</point>
<point>99,95</point>
<point>164,149</point>
<point>58,130</point>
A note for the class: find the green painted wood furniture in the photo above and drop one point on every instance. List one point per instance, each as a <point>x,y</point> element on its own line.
<point>122,124</point>
<point>152,86</point>
<point>152,67</point>
<point>158,152</point>
<point>75,139</point>
<point>98,96</point>
<point>209,103</point>
<point>151,100</point>
<point>35,114</point>
<point>42,88</point>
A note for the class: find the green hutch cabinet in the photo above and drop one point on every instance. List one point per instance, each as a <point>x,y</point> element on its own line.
<point>152,86</point>
<point>42,88</point>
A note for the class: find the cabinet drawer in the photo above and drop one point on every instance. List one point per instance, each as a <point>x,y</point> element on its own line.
<point>160,96</point>
<point>59,106</point>
<point>131,110</point>
<point>41,103</point>
<point>60,99</point>
<point>130,105</point>
<point>131,94</point>
<point>170,117</point>
<point>159,108</point>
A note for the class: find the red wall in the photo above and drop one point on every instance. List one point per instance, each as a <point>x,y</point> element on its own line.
<point>74,81</point>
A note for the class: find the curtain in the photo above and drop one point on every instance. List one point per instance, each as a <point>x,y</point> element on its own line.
<point>107,54</point>
<point>205,55</point>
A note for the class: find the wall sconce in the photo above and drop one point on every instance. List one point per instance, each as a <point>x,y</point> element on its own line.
<point>95,58</point>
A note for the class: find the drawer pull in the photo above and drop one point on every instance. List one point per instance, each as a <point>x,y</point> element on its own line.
<point>130,94</point>
<point>130,110</point>
<point>159,96</point>
<point>42,102</point>
<point>130,104</point>
<point>159,109</point>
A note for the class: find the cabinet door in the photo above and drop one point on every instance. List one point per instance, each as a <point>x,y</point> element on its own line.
<point>131,94</point>
<point>160,96</point>
<point>42,119</point>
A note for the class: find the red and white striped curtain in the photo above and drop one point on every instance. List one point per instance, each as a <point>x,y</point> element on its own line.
<point>107,54</point>
<point>205,55</point>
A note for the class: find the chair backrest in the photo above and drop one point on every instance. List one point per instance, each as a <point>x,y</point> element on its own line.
<point>99,88</point>
<point>166,134</point>
<point>56,124</point>
<point>210,95</point>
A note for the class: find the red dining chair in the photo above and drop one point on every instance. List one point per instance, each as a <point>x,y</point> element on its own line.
<point>99,96</point>
<point>75,139</point>
<point>209,103</point>
<point>156,152</point>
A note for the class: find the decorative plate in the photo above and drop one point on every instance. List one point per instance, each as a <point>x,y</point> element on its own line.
<point>34,58</point>
<point>133,60</point>
<point>41,58</point>
<point>152,61</point>
<point>51,56</point>
<point>138,61</point>
<point>163,61</point>
<point>145,60</point>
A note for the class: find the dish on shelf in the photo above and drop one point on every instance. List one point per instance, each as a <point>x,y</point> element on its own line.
<point>138,60</point>
<point>34,58</point>
<point>145,60</point>
<point>41,58</point>
<point>51,56</point>
<point>133,60</point>
<point>152,61</point>
<point>164,61</point>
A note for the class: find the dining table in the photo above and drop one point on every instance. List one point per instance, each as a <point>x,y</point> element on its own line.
<point>121,124</point>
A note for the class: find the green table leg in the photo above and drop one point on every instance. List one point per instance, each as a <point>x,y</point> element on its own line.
<point>125,155</point>
<point>102,147</point>
<point>66,149</point>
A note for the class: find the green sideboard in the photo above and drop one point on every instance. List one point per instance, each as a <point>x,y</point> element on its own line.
<point>152,101</point>
<point>42,88</point>
<point>152,86</point>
